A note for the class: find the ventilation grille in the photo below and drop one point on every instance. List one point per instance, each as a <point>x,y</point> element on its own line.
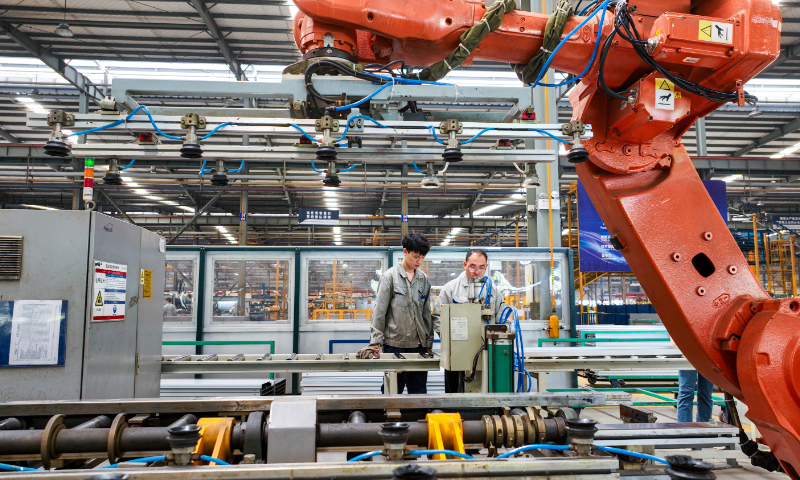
<point>10,258</point>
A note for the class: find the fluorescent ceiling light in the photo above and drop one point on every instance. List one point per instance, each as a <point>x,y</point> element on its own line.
<point>188,209</point>
<point>732,178</point>
<point>25,100</point>
<point>337,230</point>
<point>39,207</point>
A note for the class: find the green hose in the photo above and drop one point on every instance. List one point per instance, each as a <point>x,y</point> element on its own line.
<point>553,31</point>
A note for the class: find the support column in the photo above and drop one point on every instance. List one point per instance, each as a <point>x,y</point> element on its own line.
<point>404,211</point>
<point>244,200</point>
<point>83,107</point>
<point>700,132</point>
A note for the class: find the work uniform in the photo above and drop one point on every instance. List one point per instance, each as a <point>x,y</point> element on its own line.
<point>401,320</point>
<point>453,292</point>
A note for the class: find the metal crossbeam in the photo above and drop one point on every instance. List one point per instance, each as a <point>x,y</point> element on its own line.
<point>779,132</point>
<point>56,63</point>
<point>8,136</point>
<point>215,32</point>
<point>789,53</point>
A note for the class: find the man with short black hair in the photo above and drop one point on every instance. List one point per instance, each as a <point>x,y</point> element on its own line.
<point>455,291</point>
<point>401,319</point>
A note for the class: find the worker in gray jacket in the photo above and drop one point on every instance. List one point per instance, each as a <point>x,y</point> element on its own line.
<point>401,318</point>
<point>455,291</point>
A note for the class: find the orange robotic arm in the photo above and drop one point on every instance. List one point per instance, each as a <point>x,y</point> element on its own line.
<point>639,175</point>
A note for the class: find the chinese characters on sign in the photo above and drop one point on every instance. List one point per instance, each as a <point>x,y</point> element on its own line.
<point>318,217</point>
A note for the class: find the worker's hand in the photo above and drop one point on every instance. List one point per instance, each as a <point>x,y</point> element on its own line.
<point>373,350</point>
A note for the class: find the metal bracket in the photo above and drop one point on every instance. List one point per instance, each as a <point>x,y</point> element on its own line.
<point>62,117</point>
<point>326,123</point>
<point>451,125</point>
<point>193,120</point>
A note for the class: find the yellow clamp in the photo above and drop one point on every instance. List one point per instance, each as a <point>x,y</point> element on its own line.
<point>445,432</point>
<point>216,438</point>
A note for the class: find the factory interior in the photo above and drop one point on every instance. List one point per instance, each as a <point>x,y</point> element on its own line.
<point>399,239</point>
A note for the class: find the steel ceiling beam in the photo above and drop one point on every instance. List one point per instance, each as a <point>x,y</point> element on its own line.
<point>216,33</point>
<point>145,13</point>
<point>789,53</point>
<point>779,132</point>
<point>8,136</point>
<point>198,27</point>
<point>53,61</point>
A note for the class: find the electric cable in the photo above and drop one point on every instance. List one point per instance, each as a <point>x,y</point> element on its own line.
<point>203,170</point>
<point>121,121</point>
<point>159,458</point>
<point>452,453</point>
<point>471,376</point>
<point>365,455</point>
<point>535,446</point>
<point>15,468</point>
<point>241,166</point>
<point>218,127</point>
<point>620,451</point>
<point>214,460</point>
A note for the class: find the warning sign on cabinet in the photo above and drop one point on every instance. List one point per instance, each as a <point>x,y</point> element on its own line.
<point>716,32</point>
<point>665,94</point>
<point>110,282</point>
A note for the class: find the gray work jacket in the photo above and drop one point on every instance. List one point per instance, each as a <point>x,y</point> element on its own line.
<point>455,291</point>
<point>402,314</point>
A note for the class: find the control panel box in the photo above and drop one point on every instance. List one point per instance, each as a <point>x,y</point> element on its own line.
<point>461,327</point>
<point>85,311</point>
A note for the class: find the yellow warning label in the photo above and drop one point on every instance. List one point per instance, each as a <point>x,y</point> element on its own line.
<point>664,84</point>
<point>715,32</point>
<point>99,301</point>
<point>658,32</point>
<point>677,94</point>
<point>147,289</point>
<point>141,277</point>
<point>706,30</point>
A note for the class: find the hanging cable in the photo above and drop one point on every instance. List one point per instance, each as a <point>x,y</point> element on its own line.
<point>212,132</point>
<point>241,166</point>
<point>203,170</point>
<point>349,168</point>
<point>296,127</point>
<point>128,166</point>
<point>574,79</point>
<point>543,132</point>
<point>120,122</point>
<point>417,168</point>
<point>356,117</point>
<point>314,167</point>
<point>435,137</point>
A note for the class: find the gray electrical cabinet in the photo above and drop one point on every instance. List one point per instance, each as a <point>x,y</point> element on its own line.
<point>109,277</point>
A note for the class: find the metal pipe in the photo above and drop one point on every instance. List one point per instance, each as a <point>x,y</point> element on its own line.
<point>11,424</point>
<point>97,422</point>
<point>367,434</point>
<point>357,417</point>
<point>187,419</point>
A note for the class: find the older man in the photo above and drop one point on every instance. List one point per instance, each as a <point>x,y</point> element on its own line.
<point>455,291</point>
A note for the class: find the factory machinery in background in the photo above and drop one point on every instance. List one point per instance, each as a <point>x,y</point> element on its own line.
<point>644,72</point>
<point>285,438</point>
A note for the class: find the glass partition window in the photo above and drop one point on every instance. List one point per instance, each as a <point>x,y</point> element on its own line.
<point>342,290</point>
<point>250,291</point>
<point>179,289</point>
<point>529,286</point>
<point>526,284</point>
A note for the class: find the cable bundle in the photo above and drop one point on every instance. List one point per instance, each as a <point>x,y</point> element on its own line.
<point>625,27</point>
<point>553,31</point>
<point>519,350</point>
